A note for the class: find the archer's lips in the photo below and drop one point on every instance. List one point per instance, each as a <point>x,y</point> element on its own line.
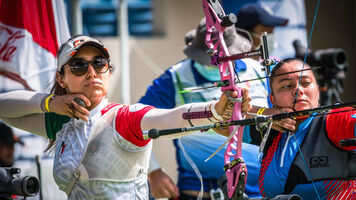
<point>93,83</point>
<point>301,101</point>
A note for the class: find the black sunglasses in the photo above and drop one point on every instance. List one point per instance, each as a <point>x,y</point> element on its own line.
<point>79,66</point>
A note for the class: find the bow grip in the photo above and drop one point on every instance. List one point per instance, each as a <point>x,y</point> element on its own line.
<point>230,88</point>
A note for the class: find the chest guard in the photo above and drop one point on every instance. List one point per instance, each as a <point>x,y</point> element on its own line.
<point>324,160</point>
<point>110,157</point>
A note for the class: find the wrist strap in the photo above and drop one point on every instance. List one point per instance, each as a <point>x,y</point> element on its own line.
<point>260,111</point>
<point>216,115</point>
<point>47,101</point>
<point>43,108</point>
<point>206,113</point>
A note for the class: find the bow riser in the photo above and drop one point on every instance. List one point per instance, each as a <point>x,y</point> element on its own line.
<point>236,173</point>
<point>219,47</point>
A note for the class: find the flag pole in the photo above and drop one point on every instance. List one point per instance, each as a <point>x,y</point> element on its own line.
<point>124,54</point>
<point>77,19</point>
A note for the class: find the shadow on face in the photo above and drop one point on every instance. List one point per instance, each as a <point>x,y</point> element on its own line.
<point>297,90</point>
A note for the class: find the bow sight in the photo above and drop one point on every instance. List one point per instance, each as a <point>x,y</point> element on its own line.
<point>262,52</point>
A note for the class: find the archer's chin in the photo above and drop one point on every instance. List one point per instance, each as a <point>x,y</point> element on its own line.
<point>299,107</point>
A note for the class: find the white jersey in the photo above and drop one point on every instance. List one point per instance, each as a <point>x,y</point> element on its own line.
<point>108,151</point>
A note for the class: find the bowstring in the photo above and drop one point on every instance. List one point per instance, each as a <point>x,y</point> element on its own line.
<point>306,52</point>
<point>306,166</point>
<point>296,94</point>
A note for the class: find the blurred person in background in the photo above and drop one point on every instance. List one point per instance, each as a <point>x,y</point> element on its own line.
<point>293,10</point>
<point>7,145</point>
<point>254,19</point>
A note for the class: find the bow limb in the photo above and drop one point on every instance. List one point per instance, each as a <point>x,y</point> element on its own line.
<point>216,23</point>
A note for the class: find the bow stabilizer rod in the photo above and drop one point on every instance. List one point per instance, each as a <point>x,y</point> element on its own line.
<point>155,133</point>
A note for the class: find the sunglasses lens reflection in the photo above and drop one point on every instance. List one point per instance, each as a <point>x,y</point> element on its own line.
<point>100,65</point>
<point>79,67</point>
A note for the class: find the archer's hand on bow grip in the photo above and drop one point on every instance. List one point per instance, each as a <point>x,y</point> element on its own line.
<point>287,124</point>
<point>225,107</point>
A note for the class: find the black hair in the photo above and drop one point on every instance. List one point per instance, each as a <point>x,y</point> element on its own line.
<point>279,65</point>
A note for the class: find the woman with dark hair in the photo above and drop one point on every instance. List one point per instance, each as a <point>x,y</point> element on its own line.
<point>305,156</point>
<point>100,152</point>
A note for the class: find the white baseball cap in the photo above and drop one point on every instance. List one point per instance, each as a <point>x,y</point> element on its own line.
<point>69,48</point>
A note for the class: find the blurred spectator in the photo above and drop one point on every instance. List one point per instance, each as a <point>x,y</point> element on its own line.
<point>7,145</point>
<point>253,20</point>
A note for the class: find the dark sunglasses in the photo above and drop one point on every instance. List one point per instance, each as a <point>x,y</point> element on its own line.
<point>79,66</point>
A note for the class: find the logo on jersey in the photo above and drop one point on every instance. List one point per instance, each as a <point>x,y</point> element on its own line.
<point>61,149</point>
<point>318,161</point>
<point>93,147</point>
<point>353,116</point>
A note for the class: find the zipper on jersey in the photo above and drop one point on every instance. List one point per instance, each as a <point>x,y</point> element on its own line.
<point>285,148</point>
